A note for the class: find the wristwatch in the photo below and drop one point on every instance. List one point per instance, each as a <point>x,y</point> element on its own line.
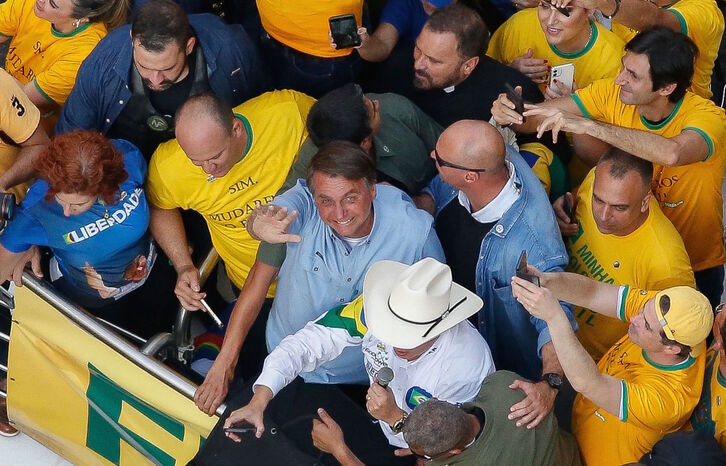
<point>397,426</point>
<point>553,379</point>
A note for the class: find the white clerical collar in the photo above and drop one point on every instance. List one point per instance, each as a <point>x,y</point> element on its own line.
<point>495,210</point>
<point>450,89</point>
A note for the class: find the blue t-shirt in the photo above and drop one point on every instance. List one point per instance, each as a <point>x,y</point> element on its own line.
<point>108,238</point>
<point>407,16</point>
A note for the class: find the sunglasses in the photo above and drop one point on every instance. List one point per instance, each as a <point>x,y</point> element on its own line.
<point>444,163</point>
<point>562,10</point>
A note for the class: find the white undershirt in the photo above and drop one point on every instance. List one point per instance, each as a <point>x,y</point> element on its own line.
<point>496,208</point>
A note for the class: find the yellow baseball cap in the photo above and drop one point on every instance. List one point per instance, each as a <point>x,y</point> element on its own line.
<point>688,316</point>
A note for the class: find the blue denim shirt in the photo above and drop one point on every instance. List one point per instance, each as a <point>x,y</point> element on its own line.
<point>320,272</point>
<point>514,336</point>
<point>234,70</point>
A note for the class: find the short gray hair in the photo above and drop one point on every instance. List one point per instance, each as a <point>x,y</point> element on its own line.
<point>435,427</point>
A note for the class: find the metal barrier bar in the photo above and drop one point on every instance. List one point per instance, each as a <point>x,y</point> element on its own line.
<point>92,326</point>
<point>4,337</point>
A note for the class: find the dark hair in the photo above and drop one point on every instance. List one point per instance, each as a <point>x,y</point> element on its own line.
<point>82,162</point>
<point>622,163</point>
<point>671,56</point>
<point>207,104</point>
<point>435,427</point>
<point>160,22</point>
<point>339,115</point>
<point>342,158</point>
<point>665,304</point>
<point>468,27</point>
<point>112,13</point>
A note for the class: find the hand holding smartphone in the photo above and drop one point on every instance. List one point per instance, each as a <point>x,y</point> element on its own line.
<point>568,206</point>
<point>344,29</point>
<point>522,270</point>
<point>563,74</point>
<point>516,98</point>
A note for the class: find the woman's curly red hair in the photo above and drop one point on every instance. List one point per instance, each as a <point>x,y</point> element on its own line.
<point>82,162</point>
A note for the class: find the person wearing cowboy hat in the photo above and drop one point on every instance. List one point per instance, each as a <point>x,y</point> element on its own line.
<point>648,383</point>
<point>411,319</point>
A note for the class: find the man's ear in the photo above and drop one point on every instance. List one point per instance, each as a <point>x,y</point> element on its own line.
<point>468,66</point>
<point>189,47</point>
<point>471,177</point>
<point>646,202</point>
<point>367,144</point>
<point>667,90</point>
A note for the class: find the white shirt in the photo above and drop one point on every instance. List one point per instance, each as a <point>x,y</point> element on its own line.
<point>451,370</point>
<point>495,210</point>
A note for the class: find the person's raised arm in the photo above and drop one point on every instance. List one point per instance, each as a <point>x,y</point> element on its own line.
<point>581,291</point>
<point>378,46</point>
<point>214,389</point>
<point>504,113</point>
<point>22,170</point>
<point>167,229</point>
<point>12,264</point>
<point>328,437</point>
<point>635,14</point>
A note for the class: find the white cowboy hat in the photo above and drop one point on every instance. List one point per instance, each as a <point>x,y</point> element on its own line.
<point>408,305</point>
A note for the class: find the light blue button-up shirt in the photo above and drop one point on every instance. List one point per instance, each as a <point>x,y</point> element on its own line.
<point>322,271</point>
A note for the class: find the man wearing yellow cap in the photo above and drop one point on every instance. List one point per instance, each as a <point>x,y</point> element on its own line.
<point>648,383</point>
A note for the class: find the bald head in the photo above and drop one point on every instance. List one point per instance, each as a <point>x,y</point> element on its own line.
<point>201,111</point>
<point>473,143</point>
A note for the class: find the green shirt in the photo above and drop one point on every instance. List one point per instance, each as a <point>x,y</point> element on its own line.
<point>403,146</point>
<point>501,442</point>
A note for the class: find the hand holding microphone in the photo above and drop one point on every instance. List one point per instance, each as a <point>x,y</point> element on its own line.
<point>381,403</point>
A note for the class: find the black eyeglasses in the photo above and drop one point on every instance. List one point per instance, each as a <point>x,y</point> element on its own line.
<point>562,10</point>
<point>444,163</point>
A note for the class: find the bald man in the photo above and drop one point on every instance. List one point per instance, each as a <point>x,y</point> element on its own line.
<point>222,164</point>
<point>489,207</point>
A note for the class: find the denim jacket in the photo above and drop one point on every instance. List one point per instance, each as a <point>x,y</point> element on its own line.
<point>514,336</point>
<point>234,69</point>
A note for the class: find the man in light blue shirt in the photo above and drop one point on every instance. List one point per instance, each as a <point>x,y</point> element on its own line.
<point>340,223</point>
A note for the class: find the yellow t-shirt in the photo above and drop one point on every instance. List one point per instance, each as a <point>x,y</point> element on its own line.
<point>41,54</point>
<point>703,22</point>
<point>652,257</point>
<point>599,59</point>
<point>655,399</point>
<point>275,122</point>
<point>303,25</point>
<point>19,119</point>
<point>689,195</point>
<point>710,414</point>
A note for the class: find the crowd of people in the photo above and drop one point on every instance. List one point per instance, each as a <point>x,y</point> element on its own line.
<point>495,227</point>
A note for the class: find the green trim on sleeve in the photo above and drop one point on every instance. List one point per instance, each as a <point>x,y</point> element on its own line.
<point>579,103</point>
<point>681,19</point>
<point>623,401</point>
<point>623,295</point>
<point>42,92</point>
<point>705,136</point>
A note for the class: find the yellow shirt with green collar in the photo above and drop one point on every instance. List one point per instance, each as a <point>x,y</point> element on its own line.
<point>689,195</point>
<point>710,414</point>
<point>43,55</point>
<point>600,58</point>
<point>703,22</point>
<point>652,257</point>
<point>655,399</point>
<point>275,123</point>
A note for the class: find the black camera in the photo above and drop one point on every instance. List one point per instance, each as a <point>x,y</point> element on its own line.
<point>7,209</point>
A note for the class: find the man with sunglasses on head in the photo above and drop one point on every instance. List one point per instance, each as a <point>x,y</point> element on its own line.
<point>410,319</point>
<point>489,207</point>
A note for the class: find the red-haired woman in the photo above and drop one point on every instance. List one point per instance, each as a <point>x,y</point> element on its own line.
<point>88,206</point>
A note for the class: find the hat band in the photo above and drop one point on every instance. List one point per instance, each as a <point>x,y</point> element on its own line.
<point>435,322</point>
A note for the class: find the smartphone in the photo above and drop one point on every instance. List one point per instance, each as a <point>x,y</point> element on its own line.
<point>344,29</point>
<point>568,207</point>
<point>241,429</point>
<point>522,269</point>
<point>564,74</point>
<point>515,97</point>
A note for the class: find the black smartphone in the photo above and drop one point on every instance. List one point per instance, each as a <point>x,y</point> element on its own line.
<point>344,29</point>
<point>242,429</point>
<point>515,97</point>
<point>569,208</point>
<point>522,269</point>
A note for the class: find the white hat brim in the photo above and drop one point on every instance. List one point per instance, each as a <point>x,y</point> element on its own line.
<point>379,281</point>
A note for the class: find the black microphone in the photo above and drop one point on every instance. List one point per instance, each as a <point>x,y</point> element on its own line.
<point>384,376</point>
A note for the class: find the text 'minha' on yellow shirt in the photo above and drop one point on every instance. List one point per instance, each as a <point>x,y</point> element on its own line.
<point>655,399</point>
<point>652,257</point>
<point>710,413</point>
<point>689,195</point>
<point>600,58</point>
<point>275,122</point>
<point>303,25</point>
<point>39,53</point>
<point>703,22</point>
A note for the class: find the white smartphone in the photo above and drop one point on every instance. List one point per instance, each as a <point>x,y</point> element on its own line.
<point>564,74</point>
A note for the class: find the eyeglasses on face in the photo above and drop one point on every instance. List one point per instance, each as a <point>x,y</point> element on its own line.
<point>444,163</point>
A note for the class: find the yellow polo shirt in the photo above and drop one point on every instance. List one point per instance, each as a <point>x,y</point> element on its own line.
<point>689,195</point>
<point>303,25</point>
<point>710,414</point>
<point>600,58</point>
<point>275,122</point>
<point>655,399</point>
<point>652,257</point>
<point>702,21</point>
